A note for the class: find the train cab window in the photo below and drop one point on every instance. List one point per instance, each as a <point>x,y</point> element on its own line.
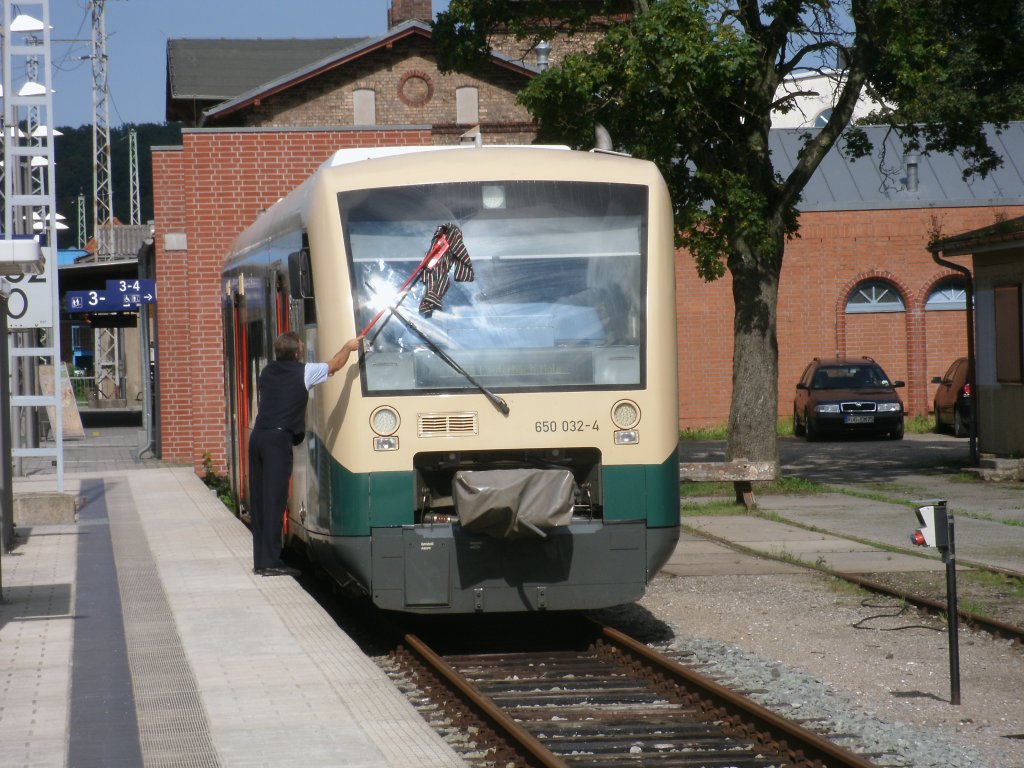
<point>557,295</point>
<point>300,283</point>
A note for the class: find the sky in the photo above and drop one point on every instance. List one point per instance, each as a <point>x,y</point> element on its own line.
<point>137,34</point>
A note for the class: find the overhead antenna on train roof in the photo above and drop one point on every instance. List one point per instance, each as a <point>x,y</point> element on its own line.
<point>603,142</point>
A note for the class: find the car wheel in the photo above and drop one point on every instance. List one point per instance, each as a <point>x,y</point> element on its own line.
<point>798,428</point>
<point>959,427</point>
<point>810,429</point>
<point>896,434</point>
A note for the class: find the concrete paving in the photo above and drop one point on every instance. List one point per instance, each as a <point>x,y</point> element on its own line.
<point>240,670</point>
<point>220,667</point>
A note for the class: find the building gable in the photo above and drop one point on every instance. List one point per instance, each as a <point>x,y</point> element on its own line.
<point>399,72</point>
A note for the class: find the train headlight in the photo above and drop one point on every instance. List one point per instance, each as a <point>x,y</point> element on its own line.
<point>384,420</point>
<point>626,414</point>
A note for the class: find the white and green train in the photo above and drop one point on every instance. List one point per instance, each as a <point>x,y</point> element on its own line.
<point>508,444</point>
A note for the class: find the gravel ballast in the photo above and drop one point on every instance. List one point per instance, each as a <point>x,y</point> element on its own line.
<point>858,665</point>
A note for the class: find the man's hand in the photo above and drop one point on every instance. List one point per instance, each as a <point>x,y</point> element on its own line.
<point>336,363</point>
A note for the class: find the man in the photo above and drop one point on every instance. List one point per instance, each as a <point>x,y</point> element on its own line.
<point>284,386</point>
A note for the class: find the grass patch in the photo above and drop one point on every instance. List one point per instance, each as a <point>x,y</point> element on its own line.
<point>698,434</point>
<point>783,428</point>
<point>219,484</point>
<point>918,425</point>
<point>915,425</point>
<point>714,507</point>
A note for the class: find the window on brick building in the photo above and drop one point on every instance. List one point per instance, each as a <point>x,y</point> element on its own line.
<point>1008,332</point>
<point>948,294</point>
<point>364,107</point>
<point>875,296</point>
<point>467,105</point>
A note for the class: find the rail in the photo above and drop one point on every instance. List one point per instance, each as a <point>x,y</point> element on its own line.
<point>606,703</point>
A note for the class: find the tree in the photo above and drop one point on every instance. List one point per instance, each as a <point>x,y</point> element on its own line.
<point>73,154</point>
<point>692,84</point>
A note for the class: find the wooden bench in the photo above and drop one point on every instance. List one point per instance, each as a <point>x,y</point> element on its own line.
<point>740,472</point>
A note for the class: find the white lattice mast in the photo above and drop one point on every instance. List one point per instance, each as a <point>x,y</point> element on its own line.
<point>83,235</point>
<point>133,177</point>
<point>30,220</point>
<point>103,193</point>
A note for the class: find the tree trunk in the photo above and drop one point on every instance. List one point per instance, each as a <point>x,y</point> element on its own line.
<point>753,412</point>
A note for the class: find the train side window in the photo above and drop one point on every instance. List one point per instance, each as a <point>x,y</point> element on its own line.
<point>300,283</point>
<point>300,279</point>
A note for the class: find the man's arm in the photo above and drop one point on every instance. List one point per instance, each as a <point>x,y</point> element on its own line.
<point>336,363</point>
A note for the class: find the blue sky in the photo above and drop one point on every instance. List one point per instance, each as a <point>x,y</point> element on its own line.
<point>137,34</point>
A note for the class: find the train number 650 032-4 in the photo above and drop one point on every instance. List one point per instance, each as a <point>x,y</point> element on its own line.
<point>566,425</point>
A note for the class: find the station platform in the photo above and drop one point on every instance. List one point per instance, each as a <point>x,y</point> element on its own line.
<point>139,635</point>
<point>136,633</point>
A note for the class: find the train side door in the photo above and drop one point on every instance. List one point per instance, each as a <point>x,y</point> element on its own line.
<point>239,389</point>
<point>303,311</point>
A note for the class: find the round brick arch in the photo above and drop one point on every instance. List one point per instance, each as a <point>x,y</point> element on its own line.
<point>944,334</point>
<point>891,338</point>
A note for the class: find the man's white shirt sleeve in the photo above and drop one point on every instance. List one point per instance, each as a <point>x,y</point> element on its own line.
<point>315,373</point>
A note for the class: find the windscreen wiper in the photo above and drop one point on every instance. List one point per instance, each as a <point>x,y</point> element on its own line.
<point>496,401</point>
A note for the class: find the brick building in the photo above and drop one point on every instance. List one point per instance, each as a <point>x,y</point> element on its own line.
<point>859,278</point>
<point>264,114</point>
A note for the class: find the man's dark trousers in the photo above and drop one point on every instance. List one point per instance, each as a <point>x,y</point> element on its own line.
<point>270,469</point>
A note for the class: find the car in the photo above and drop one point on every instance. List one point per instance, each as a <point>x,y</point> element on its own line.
<point>952,404</point>
<point>847,396</point>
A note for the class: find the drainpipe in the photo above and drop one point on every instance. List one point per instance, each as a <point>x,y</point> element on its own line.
<point>971,368</point>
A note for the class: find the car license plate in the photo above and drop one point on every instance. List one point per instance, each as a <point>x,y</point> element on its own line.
<point>859,418</point>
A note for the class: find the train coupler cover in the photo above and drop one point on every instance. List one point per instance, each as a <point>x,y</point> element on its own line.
<point>513,503</point>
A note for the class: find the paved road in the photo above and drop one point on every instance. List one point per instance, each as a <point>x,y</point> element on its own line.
<point>852,461</point>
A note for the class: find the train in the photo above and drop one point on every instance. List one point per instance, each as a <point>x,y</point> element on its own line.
<point>507,439</point>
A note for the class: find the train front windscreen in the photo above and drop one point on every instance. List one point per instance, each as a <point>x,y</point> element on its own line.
<point>544,291</point>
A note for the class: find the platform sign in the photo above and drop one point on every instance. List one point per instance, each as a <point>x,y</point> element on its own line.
<point>146,289</point>
<point>31,300</point>
<point>123,297</point>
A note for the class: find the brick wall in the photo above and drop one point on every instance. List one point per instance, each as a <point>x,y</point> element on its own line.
<point>210,189</point>
<point>409,88</point>
<point>835,252</point>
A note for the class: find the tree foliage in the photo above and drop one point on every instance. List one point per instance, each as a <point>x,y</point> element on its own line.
<point>692,84</point>
<point>74,158</point>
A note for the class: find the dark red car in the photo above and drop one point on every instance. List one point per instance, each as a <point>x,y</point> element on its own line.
<point>953,399</point>
<point>847,396</point>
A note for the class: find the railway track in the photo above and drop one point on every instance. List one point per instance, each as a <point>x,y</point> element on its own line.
<point>930,605</point>
<point>613,702</point>
<point>994,627</point>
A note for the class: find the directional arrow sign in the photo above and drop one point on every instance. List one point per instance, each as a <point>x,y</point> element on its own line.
<point>134,285</point>
<point>139,291</point>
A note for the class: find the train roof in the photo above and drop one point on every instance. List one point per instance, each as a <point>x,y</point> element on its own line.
<point>386,166</point>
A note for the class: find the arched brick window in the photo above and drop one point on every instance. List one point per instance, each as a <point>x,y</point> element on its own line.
<point>948,294</point>
<point>874,296</point>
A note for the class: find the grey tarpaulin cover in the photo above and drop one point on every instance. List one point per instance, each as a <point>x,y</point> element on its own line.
<point>513,503</point>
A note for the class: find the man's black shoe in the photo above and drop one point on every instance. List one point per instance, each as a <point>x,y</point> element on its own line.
<point>280,570</point>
